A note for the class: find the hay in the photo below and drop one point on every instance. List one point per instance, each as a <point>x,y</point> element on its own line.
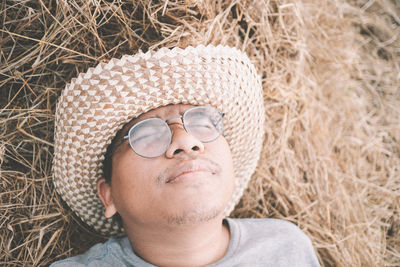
<point>330,69</point>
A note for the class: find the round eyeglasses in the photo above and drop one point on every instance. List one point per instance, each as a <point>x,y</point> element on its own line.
<point>151,138</point>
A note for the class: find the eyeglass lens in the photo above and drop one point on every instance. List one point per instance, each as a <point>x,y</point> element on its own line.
<point>152,137</point>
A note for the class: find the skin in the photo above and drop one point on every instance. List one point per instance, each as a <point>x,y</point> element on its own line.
<point>172,206</point>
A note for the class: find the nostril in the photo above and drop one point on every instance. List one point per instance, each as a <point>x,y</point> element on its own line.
<point>194,148</point>
<point>178,151</point>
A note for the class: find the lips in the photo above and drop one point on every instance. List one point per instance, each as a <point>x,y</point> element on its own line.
<point>191,166</point>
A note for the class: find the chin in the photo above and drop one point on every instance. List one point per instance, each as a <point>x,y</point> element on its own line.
<point>195,213</point>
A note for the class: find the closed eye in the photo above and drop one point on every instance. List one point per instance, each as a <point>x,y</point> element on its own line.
<point>147,136</point>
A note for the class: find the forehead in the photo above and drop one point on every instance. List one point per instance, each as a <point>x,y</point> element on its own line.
<point>164,112</point>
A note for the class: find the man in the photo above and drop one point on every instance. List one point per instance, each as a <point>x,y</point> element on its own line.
<point>169,139</point>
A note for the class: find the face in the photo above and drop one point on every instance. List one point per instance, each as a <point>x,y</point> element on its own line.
<point>191,182</point>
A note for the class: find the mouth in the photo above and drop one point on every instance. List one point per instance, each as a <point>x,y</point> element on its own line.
<point>191,169</point>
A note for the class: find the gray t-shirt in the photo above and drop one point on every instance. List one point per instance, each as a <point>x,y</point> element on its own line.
<point>254,242</point>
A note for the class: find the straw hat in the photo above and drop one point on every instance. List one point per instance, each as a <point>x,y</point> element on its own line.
<point>99,102</point>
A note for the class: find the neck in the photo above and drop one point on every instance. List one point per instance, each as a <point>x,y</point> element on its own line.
<point>180,245</point>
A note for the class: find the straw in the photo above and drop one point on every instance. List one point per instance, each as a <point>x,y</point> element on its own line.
<point>330,72</point>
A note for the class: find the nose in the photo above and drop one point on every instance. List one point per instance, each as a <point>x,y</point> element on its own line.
<point>183,142</point>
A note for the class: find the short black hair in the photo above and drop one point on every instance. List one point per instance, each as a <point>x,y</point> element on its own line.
<point>111,148</point>
<point>107,166</point>
<point>107,162</point>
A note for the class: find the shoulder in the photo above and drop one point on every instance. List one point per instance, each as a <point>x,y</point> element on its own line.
<point>272,230</point>
<point>271,227</point>
<point>274,241</point>
<point>101,254</point>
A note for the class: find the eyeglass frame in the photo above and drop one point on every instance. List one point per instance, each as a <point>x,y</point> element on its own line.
<point>126,137</point>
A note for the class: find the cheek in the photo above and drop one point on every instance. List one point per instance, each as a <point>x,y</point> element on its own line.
<point>226,151</point>
<point>221,153</point>
<point>128,168</point>
<point>134,192</point>
<point>131,180</point>
<point>124,168</point>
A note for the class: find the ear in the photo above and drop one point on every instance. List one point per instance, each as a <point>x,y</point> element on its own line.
<point>104,193</point>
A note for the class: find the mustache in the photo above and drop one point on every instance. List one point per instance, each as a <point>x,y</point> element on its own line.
<point>207,163</point>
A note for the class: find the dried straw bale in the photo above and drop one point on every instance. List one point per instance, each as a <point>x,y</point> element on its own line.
<point>331,75</point>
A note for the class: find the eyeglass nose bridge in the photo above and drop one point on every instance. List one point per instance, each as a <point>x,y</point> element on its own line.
<point>182,127</point>
<point>174,117</point>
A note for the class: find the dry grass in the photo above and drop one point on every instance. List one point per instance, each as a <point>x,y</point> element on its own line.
<point>331,75</point>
